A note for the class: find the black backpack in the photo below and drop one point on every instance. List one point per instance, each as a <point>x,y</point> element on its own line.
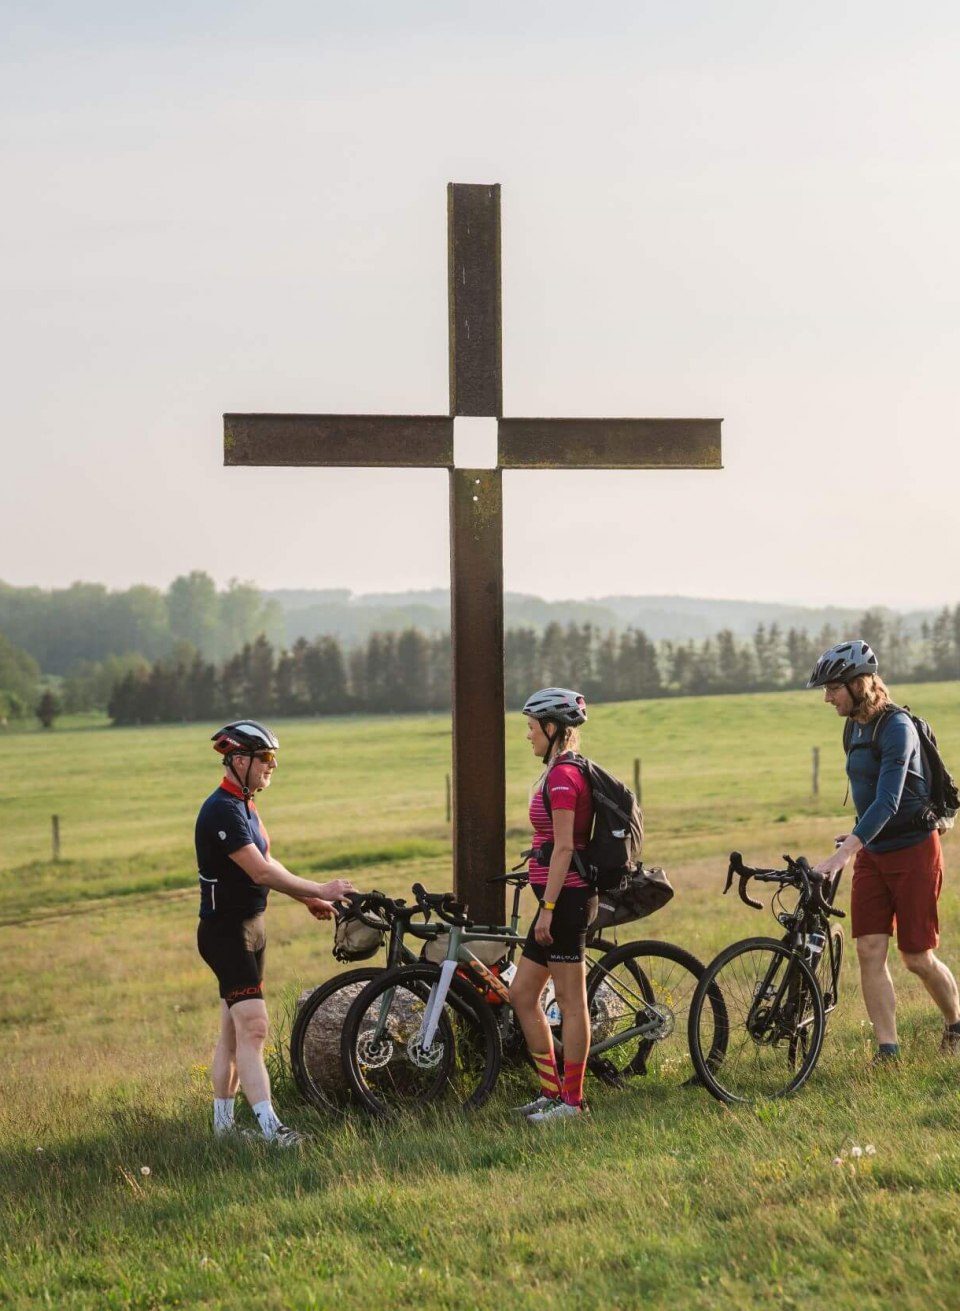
<point>944,796</point>
<point>616,841</point>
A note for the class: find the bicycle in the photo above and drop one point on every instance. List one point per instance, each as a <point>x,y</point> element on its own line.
<point>420,1033</point>
<point>778,992</point>
<point>314,1038</point>
<point>315,1035</point>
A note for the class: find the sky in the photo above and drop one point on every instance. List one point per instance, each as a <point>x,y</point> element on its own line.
<point>741,210</point>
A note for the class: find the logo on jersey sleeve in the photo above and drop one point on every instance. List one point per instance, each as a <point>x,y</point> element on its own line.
<point>222,836</point>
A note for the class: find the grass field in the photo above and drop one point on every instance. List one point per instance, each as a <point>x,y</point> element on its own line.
<point>113,1194</point>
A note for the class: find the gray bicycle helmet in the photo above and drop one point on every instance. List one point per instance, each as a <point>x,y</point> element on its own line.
<point>842,662</point>
<point>560,704</point>
<point>244,738</point>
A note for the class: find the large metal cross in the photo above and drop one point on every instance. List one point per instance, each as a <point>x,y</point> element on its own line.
<point>476,508</point>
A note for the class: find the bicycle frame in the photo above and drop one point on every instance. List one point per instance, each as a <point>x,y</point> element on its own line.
<point>459,954</point>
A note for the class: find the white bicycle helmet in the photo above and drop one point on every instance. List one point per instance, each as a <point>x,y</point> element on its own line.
<point>560,704</point>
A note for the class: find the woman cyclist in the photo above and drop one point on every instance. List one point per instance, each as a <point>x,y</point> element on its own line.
<point>237,870</point>
<point>555,945</point>
<point>898,864</point>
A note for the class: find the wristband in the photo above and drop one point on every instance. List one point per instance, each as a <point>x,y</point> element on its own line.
<point>548,905</point>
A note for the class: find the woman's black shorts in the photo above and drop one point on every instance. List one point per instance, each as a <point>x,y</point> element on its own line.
<point>234,948</point>
<point>576,911</point>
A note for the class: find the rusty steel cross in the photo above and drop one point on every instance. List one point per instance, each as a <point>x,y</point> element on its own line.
<point>476,508</point>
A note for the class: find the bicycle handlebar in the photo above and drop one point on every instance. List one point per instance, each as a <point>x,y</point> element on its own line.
<point>374,909</point>
<point>443,904</point>
<point>798,874</point>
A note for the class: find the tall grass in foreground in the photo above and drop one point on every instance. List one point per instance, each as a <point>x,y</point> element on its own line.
<point>113,1193</point>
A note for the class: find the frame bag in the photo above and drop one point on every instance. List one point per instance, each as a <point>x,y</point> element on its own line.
<point>639,894</point>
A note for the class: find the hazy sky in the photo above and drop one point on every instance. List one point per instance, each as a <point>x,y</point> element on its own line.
<point>738,209</point>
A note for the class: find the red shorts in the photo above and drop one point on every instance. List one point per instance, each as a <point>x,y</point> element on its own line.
<point>899,887</point>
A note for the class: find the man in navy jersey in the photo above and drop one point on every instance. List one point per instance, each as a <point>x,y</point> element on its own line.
<point>237,871</point>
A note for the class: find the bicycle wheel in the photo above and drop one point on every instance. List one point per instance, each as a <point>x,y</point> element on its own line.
<point>315,1038</point>
<point>826,973</point>
<point>639,996</point>
<point>775,1022</point>
<point>388,1067</point>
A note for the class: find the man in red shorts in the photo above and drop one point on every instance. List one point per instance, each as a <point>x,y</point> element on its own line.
<point>898,865</point>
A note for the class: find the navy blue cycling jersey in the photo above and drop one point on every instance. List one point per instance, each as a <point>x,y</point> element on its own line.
<point>888,793</point>
<point>225,824</point>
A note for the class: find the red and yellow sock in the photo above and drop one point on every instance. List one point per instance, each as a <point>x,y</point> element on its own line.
<point>549,1075</point>
<point>573,1072</point>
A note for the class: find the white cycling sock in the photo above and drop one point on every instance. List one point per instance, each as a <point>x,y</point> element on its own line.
<point>222,1114</point>
<point>267,1117</point>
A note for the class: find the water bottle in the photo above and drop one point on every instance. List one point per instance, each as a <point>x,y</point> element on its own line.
<point>551,1007</point>
<point>507,973</point>
<point>813,945</point>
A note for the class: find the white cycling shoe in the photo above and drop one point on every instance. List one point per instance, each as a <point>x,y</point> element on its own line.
<point>557,1110</point>
<point>540,1103</point>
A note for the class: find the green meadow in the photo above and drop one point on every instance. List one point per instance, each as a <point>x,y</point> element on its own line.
<point>113,1193</point>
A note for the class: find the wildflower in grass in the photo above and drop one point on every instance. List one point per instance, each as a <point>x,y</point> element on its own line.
<point>856,1152</point>
<point>144,1170</point>
<point>838,1160</point>
<point>40,1150</point>
<point>870,1150</point>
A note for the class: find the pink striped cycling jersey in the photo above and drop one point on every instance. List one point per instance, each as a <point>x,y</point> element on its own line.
<point>568,790</point>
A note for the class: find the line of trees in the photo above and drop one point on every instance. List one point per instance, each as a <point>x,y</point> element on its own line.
<point>67,630</point>
<point>410,671</point>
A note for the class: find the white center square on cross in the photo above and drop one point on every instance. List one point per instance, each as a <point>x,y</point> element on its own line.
<point>475,443</point>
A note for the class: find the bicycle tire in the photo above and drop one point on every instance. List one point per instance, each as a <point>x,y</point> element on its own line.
<point>315,1039</point>
<point>646,983</point>
<point>824,971</point>
<point>392,1075</point>
<point>768,1052</point>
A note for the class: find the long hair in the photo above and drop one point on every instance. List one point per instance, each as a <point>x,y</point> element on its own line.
<point>870,693</point>
<point>567,739</point>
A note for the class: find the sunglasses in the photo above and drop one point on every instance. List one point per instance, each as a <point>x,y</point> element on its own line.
<point>266,757</point>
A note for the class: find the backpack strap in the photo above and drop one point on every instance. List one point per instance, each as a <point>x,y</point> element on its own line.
<point>567,758</point>
<point>873,741</point>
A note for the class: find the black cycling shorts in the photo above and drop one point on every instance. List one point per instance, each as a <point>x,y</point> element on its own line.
<point>234,948</point>
<point>576,911</point>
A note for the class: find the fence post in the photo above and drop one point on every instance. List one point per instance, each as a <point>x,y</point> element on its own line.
<point>449,812</point>
<point>816,771</point>
<point>55,831</point>
<point>636,779</point>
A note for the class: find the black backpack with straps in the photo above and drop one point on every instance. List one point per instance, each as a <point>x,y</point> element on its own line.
<point>941,810</point>
<point>616,840</point>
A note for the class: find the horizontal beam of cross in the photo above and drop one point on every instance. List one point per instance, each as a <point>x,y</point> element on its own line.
<point>425,441</point>
<point>345,440</point>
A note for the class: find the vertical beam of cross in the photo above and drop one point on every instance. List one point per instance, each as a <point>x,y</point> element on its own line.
<point>476,507</point>
<point>476,551</point>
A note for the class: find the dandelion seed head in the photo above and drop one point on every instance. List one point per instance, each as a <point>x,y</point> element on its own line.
<point>856,1152</point>
<point>144,1170</point>
<point>870,1150</point>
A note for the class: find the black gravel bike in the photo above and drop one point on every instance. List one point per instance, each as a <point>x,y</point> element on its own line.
<point>777,992</point>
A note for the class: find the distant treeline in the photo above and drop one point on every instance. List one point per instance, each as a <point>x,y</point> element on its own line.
<point>66,629</point>
<point>410,671</point>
